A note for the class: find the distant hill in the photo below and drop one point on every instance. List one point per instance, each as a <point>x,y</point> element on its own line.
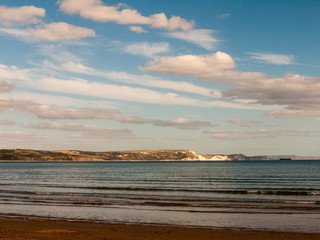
<point>73,155</point>
<point>143,155</point>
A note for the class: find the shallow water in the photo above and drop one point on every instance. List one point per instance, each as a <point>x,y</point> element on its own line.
<point>274,195</point>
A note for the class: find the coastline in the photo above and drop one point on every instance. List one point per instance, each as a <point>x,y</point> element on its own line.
<point>21,228</point>
<point>133,155</point>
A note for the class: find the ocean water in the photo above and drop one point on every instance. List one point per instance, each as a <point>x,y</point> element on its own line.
<point>262,195</point>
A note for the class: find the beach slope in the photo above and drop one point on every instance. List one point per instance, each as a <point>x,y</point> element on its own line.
<point>21,229</point>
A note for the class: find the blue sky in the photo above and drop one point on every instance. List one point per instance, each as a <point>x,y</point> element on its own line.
<point>210,76</point>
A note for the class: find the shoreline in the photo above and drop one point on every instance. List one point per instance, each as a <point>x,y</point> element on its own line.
<point>23,228</point>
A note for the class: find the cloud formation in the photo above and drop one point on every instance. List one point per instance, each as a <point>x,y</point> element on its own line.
<point>277,59</point>
<point>20,34</point>
<point>201,37</point>
<point>46,112</point>
<point>295,114</point>
<point>84,130</point>
<point>261,133</point>
<point>96,10</point>
<point>102,90</point>
<point>119,92</point>
<point>241,122</point>
<point>294,91</point>
<point>61,31</point>
<point>33,79</point>
<point>14,73</point>
<point>217,66</point>
<point>7,122</point>
<point>183,123</point>
<point>147,80</point>
<point>224,15</point>
<point>291,91</point>
<point>137,29</point>
<point>192,65</point>
<point>147,49</point>
<point>5,86</point>
<point>65,61</point>
<point>20,16</point>
<point>143,80</point>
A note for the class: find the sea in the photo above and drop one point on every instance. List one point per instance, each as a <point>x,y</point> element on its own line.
<point>260,195</point>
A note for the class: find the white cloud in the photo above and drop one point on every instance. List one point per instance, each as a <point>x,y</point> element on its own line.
<point>137,29</point>
<point>278,59</point>
<point>160,20</point>
<point>76,67</point>
<point>147,49</point>
<point>20,16</point>
<point>202,37</point>
<point>217,66</point>
<point>14,73</point>
<point>96,10</point>
<point>224,15</point>
<point>207,66</point>
<point>191,64</point>
<point>58,53</point>
<point>21,34</point>
<point>61,31</point>
<point>57,100</point>
<point>52,32</point>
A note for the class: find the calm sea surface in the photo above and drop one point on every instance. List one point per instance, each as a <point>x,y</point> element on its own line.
<point>274,195</point>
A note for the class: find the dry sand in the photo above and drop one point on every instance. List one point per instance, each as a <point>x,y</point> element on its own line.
<point>18,229</point>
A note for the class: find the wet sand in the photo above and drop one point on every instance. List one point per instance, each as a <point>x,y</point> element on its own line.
<point>22,229</point>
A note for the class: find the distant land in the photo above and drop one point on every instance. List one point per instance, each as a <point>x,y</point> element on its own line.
<point>143,155</point>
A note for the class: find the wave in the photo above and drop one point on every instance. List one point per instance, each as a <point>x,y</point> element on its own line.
<point>137,197</point>
<point>255,192</point>
<point>265,191</point>
<point>165,205</point>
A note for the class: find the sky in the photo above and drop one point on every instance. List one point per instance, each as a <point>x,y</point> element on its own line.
<point>212,76</point>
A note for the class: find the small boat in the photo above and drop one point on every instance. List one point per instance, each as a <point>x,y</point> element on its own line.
<point>285,159</point>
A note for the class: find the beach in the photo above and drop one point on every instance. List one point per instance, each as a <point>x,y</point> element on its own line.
<point>20,229</point>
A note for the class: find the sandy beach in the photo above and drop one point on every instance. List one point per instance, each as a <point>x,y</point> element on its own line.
<point>20,229</point>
